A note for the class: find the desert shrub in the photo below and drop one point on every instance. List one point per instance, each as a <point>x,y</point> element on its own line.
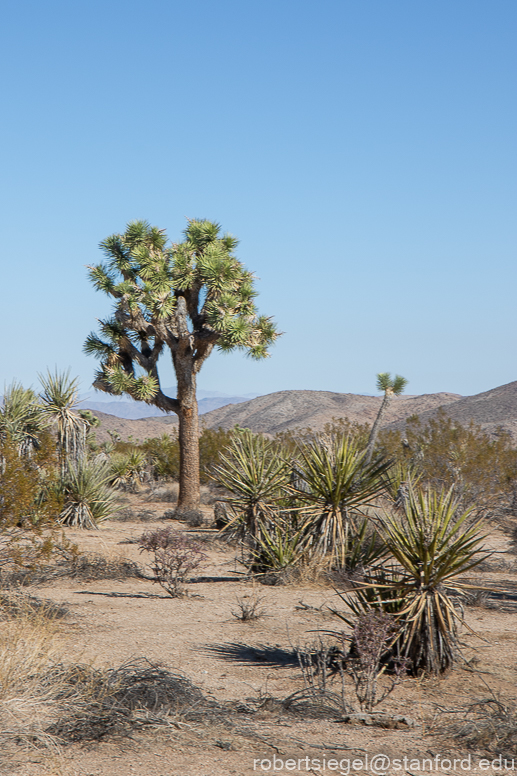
<point>482,468</point>
<point>212,442</point>
<point>27,495</point>
<point>29,504</point>
<point>320,662</point>
<point>488,724</point>
<point>175,556</point>
<point>249,608</point>
<point>47,702</point>
<point>65,561</point>
<point>98,703</point>
<point>92,565</point>
<point>291,440</point>
<point>357,660</point>
<point>164,455</point>
<point>372,639</point>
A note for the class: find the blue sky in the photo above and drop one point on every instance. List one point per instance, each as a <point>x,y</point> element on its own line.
<point>363,151</point>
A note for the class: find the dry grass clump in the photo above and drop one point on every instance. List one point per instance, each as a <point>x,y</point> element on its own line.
<point>29,647</point>
<point>249,608</point>
<point>167,493</point>
<point>489,724</point>
<point>135,516</point>
<point>46,702</point>
<point>92,565</point>
<point>115,701</point>
<point>87,566</point>
<point>17,604</point>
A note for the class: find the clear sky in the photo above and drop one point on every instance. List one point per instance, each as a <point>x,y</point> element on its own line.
<point>364,152</point>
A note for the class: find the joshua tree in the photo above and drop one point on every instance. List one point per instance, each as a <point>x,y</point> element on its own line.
<point>187,297</point>
<point>391,387</point>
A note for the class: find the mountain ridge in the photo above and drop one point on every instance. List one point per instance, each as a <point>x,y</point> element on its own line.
<point>284,410</point>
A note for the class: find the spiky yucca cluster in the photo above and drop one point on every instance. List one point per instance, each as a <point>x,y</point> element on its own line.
<point>190,297</point>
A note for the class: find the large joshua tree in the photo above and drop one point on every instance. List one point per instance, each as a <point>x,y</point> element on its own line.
<point>391,387</point>
<point>188,298</point>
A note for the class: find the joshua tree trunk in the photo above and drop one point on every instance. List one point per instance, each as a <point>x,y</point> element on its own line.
<point>188,498</point>
<point>377,424</point>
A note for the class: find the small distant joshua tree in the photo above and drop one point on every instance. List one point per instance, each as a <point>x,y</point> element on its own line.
<point>391,387</point>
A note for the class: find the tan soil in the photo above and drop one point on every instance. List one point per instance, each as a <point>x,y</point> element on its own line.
<point>113,621</point>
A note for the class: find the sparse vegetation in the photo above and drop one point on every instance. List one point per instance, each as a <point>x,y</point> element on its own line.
<point>249,608</point>
<point>443,454</point>
<point>303,509</point>
<point>175,556</point>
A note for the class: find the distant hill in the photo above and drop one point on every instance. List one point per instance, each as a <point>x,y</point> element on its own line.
<point>281,411</point>
<point>133,410</point>
<point>139,429</point>
<point>492,409</point>
<point>301,409</point>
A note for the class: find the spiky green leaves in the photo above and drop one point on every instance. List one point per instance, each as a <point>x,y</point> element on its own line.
<point>336,480</point>
<point>256,476</point>
<point>387,384</point>
<point>146,278</point>
<point>143,388</point>
<point>21,417</point>
<point>433,542</point>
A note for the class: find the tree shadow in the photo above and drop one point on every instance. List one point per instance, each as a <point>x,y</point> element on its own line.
<point>271,655</point>
<point>122,595</point>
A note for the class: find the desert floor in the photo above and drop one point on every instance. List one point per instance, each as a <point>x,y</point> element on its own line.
<point>252,663</point>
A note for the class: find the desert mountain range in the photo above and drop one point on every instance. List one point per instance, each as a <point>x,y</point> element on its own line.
<point>285,410</point>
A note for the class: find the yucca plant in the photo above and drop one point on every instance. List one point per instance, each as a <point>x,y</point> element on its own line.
<point>88,498</point>
<point>21,418</point>
<point>281,542</point>
<point>377,592</point>
<point>334,481</point>
<point>256,476</point>
<point>127,471</point>
<point>365,550</point>
<point>433,543</point>
<point>60,401</point>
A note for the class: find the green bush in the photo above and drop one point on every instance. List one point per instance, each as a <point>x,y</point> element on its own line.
<point>27,495</point>
<point>444,453</point>
<point>163,453</point>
